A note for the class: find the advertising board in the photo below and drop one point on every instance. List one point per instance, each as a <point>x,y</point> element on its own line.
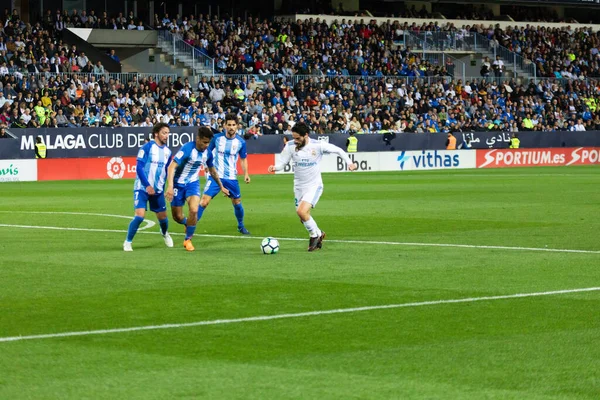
<point>397,161</point>
<point>117,167</point>
<point>538,157</point>
<point>18,170</point>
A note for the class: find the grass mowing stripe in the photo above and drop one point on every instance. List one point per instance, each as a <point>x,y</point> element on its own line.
<point>457,245</point>
<point>293,315</point>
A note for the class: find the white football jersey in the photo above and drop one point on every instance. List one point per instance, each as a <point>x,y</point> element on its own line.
<point>307,161</point>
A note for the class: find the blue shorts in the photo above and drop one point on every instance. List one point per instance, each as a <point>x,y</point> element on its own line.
<point>212,188</point>
<point>182,192</point>
<point>157,201</point>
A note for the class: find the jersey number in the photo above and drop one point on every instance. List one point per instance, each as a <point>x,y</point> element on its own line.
<point>175,191</point>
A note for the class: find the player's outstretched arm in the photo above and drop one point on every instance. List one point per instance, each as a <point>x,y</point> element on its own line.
<point>170,181</point>
<point>333,149</point>
<point>215,175</point>
<point>284,159</point>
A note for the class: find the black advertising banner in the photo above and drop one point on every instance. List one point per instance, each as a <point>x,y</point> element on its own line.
<point>124,142</point>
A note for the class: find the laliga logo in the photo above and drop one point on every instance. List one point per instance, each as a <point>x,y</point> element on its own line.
<point>115,168</point>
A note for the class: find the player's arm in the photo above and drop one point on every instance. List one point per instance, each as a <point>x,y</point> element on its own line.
<point>141,174</point>
<point>215,175</point>
<point>213,172</point>
<point>329,148</point>
<point>244,162</point>
<point>179,159</point>
<point>170,180</point>
<point>284,159</point>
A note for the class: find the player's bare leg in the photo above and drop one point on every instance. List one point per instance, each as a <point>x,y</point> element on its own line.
<point>205,201</point>
<point>178,215</point>
<point>316,235</point>
<point>192,220</point>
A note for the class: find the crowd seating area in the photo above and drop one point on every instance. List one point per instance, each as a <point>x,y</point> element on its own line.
<point>360,47</point>
<point>566,52</point>
<point>327,104</point>
<point>39,48</point>
<point>350,76</point>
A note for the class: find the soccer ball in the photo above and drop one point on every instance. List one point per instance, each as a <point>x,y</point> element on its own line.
<point>269,245</point>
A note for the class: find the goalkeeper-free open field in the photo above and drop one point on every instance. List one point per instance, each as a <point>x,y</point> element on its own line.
<point>430,285</point>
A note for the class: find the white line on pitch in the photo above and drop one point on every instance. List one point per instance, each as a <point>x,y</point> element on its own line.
<point>465,246</point>
<point>293,315</point>
<point>149,223</point>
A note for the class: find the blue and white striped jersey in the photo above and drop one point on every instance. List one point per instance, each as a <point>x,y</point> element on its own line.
<point>225,152</point>
<point>155,160</point>
<point>189,160</point>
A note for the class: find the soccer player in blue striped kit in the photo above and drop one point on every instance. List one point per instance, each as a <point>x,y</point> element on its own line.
<point>227,148</point>
<point>183,182</point>
<point>153,159</point>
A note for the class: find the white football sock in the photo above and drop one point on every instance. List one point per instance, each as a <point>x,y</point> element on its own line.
<point>312,228</point>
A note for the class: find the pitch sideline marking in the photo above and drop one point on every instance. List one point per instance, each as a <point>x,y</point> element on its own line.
<point>293,315</point>
<point>416,244</point>
<point>149,223</point>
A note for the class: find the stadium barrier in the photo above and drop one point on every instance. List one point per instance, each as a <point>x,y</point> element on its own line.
<point>117,167</point>
<point>125,142</point>
<point>397,161</point>
<point>125,167</point>
<point>18,170</point>
<point>538,157</point>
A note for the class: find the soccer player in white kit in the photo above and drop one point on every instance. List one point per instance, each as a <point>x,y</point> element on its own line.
<point>306,155</point>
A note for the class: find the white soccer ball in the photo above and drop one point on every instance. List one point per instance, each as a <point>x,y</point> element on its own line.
<point>269,245</point>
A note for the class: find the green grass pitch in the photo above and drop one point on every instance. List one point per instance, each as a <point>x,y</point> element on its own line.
<point>72,276</point>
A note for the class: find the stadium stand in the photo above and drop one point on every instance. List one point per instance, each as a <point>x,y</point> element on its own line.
<point>339,77</point>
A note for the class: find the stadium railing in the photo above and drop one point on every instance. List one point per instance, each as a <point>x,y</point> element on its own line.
<point>408,80</point>
<point>456,69</point>
<point>186,53</point>
<point>467,41</point>
<point>120,76</point>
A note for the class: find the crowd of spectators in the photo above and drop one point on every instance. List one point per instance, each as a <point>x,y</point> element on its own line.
<point>471,12</point>
<point>363,47</point>
<point>327,104</point>
<point>347,76</point>
<point>557,52</point>
<point>39,48</point>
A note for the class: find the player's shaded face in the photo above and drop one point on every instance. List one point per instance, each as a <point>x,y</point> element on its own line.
<point>300,141</point>
<point>202,143</point>
<point>231,128</point>
<point>162,136</point>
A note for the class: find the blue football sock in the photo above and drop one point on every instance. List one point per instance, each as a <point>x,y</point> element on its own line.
<point>189,231</point>
<point>133,227</point>
<point>200,212</point>
<point>164,225</point>
<point>184,221</point>
<point>238,210</point>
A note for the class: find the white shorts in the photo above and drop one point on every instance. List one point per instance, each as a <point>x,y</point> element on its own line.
<point>310,194</point>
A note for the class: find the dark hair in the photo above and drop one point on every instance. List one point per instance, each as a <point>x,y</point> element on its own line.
<point>156,128</point>
<point>301,129</point>
<point>231,117</point>
<point>205,132</point>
